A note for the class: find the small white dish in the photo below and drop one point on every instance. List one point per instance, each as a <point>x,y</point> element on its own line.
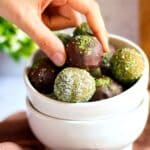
<point>124,102</point>
<point>116,132</point>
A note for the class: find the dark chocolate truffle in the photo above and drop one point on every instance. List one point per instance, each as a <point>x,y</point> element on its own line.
<point>42,75</point>
<point>84,52</point>
<point>106,88</point>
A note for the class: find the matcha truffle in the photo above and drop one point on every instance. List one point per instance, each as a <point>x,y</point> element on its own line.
<point>74,85</point>
<point>106,88</point>
<point>127,65</point>
<point>42,75</point>
<point>83,29</point>
<point>84,52</point>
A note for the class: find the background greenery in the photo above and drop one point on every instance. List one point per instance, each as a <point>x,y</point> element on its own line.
<point>15,42</point>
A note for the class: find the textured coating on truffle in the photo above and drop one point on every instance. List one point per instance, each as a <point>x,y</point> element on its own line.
<point>74,85</point>
<point>84,52</point>
<point>83,29</point>
<point>106,88</point>
<point>127,65</point>
<point>103,81</point>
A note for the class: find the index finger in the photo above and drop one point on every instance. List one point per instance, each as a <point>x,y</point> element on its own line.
<point>91,10</point>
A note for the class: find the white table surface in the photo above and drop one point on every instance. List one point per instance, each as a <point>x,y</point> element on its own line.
<point>12,95</point>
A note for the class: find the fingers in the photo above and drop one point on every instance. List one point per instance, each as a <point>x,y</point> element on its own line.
<point>47,41</point>
<point>59,22</point>
<point>59,2</point>
<point>9,146</point>
<point>91,10</point>
<point>43,4</point>
<point>67,17</point>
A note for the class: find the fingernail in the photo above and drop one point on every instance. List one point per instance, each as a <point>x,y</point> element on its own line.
<point>58,58</point>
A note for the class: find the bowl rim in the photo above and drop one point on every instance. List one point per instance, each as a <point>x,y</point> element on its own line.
<point>36,112</point>
<point>84,104</point>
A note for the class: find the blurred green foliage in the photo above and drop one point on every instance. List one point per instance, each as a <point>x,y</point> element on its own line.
<point>15,42</point>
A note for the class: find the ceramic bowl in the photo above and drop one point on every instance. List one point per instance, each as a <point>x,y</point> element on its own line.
<point>116,132</point>
<point>122,103</point>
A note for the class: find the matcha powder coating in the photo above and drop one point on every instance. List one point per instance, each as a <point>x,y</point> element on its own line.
<point>127,65</point>
<point>74,85</point>
<point>85,43</point>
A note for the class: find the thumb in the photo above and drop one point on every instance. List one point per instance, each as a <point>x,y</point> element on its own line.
<point>47,41</point>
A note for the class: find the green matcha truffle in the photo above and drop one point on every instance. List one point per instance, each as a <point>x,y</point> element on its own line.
<point>103,81</point>
<point>74,85</point>
<point>106,88</point>
<point>83,29</point>
<point>127,65</point>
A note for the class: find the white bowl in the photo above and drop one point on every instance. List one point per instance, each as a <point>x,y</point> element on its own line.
<point>121,103</point>
<point>115,132</point>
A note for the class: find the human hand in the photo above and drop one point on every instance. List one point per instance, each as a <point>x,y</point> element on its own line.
<point>36,17</point>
